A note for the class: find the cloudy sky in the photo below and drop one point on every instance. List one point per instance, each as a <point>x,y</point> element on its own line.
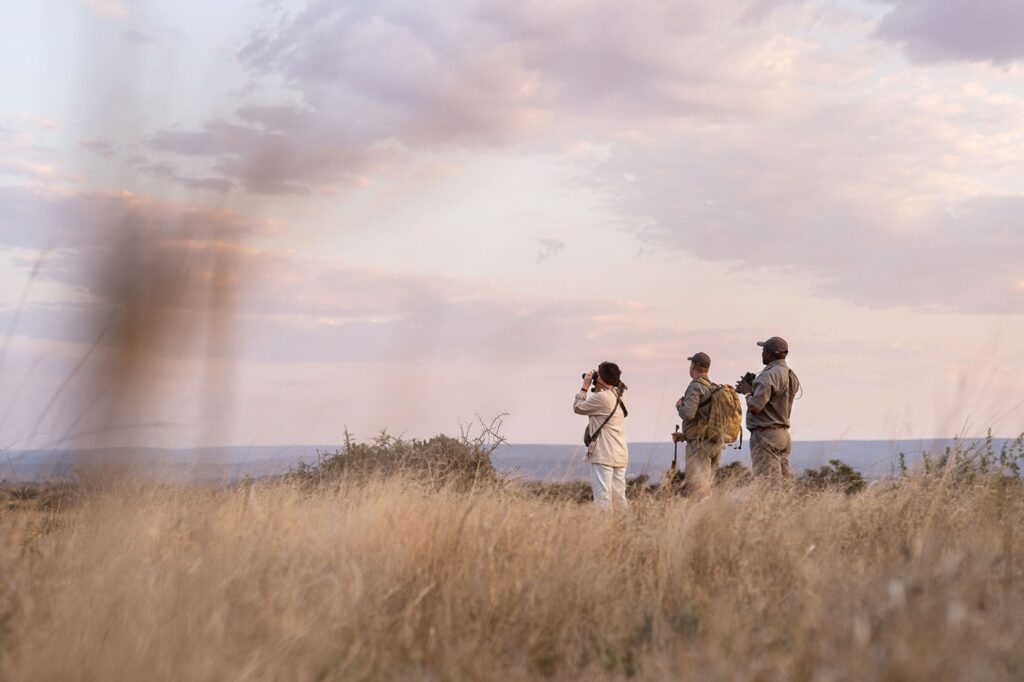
<point>311,215</point>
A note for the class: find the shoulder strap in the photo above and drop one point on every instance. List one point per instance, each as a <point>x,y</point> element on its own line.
<point>715,388</point>
<point>618,401</point>
<point>789,384</point>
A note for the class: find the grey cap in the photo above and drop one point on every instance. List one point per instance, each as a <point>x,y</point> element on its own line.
<point>776,344</point>
<point>701,360</point>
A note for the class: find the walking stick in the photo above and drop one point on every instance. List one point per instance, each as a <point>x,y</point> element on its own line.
<point>672,476</point>
<point>675,450</point>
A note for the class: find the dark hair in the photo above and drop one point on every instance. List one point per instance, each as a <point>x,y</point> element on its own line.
<point>611,375</point>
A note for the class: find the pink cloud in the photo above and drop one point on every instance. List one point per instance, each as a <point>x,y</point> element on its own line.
<point>272,162</point>
<point>37,218</point>
<point>713,117</point>
<point>956,30</point>
<point>111,9</point>
<point>375,83</point>
<point>806,212</point>
<point>168,172</point>
<point>99,146</point>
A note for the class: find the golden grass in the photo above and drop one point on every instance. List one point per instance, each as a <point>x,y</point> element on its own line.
<point>389,580</point>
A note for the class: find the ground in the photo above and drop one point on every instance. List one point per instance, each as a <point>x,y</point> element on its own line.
<point>388,578</point>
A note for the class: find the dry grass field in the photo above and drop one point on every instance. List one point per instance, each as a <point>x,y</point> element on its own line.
<point>919,579</point>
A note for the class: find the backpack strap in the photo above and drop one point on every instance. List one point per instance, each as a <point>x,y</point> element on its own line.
<point>715,388</point>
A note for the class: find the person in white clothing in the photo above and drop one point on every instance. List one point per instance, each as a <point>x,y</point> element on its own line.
<point>607,452</point>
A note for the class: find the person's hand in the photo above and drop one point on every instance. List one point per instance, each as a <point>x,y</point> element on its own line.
<point>677,437</point>
<point>587,380</point>
<point>744,387</point>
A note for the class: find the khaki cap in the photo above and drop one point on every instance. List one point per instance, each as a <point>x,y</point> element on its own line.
<point>776,344</point>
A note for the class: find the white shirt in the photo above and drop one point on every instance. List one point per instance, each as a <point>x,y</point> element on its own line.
<point>610,446</point>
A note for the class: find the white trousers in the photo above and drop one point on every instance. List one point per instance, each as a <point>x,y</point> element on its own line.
<point>609,485</point>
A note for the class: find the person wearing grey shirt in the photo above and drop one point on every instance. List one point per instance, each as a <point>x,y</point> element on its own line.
<point>769,406</point>
<point>702,452</point>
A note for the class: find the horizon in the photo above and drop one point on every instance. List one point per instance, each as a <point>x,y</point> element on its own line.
<point>222,223</point>
<point>549,462</point>
<point>339,444</point>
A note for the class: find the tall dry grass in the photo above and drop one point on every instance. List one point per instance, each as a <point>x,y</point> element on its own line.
<point>392,580</point>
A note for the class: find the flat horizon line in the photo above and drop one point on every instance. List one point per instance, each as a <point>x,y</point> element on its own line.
<point>285,447</point>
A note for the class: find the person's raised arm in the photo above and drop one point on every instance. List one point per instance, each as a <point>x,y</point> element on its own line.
<point>582,404</point>
<point>589,404</point>
<point>760,395</point>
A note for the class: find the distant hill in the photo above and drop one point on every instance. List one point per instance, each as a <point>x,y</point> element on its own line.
<point>535,461</point>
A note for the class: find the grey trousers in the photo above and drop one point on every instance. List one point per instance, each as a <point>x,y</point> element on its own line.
<point>769,453</point>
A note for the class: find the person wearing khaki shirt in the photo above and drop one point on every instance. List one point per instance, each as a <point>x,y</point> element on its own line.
<point>769,406</point>
<point>702,453</point>
<point>607,454</point>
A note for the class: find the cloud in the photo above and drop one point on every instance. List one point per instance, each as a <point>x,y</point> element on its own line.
<point>272,162</point>
<point>132,261</point>
<point>719,120</point>
<point>280,117</point>
<point>84,232</point>
<point>32,120</point>
<point>168,270</point>
<point>853,229</point>
<point>549,248</point>
<point>956,30</point>
<point>42,219</point>
<point>111,9</point>
<point>139,37</point>
<point>41,172</point>
<point>167,172</point>
<point>375,83</point>
<point>97,145</point>
<point>26,151</point>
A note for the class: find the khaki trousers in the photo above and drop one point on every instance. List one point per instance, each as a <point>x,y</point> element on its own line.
<point>702,459</point>
<point>769,453</point>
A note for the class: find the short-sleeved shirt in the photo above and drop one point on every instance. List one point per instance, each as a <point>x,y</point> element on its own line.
<point>690,410</point>
<point>774,390</point>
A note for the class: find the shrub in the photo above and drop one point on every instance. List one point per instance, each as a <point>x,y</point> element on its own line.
<point>836,475</point>
<point>968,462</point>
<point>734,473</point>
<point>567,491</point>
<point>441,461</point>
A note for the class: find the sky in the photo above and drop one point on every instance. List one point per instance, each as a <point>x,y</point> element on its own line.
<point>307,217</point>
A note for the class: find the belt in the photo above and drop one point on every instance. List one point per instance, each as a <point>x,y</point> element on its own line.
<point>773,427</point>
